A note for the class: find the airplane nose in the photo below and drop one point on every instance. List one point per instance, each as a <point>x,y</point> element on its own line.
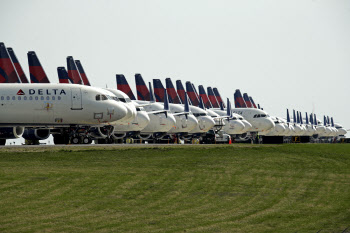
<point>279,128</point>
<point>192,122</point>
<point>269,124</point>
<point>130,115</point>
<point>238,126</point>
<point>120,112</point>
<point>247,126</point>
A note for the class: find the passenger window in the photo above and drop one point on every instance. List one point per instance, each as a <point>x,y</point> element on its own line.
<point>53,97</point>
<point>2,98</point>
<point>98,97</point>
<point>59,98</point>
<point>19,98</point>
<point>30,98</point>
<point>13,97</point>
<point>47,97</point>
<point>36,98</point>
<point>42,98</point>
<point>8,97</point>
<point>104,97</point>
<point>25,97</point>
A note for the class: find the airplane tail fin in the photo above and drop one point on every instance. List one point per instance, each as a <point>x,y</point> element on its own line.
<point>63,75</point>
<point>204,96</point>
<point>37,73</point>
<point>123,86</point>
<point>288,117</point>
<point>247,100</point>
<point>180,90</point>
<point>142,92</point>
<point>239,101</point>
<point>252,101</point>
<point>73,72</point>
<point>8,72</point>
<point>172,94</point>
<point>18,66</point>
<point>212,98</point>
<point>218,96</point>
<point>82,73</point>
<point>192,94</point>
<point>158,90</point>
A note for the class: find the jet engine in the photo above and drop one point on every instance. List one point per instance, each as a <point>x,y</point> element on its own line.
<point>145,136</point>
<point>36,134</point>
<point>100,132</point>
<point>118,135</point>
<point>11,132</point>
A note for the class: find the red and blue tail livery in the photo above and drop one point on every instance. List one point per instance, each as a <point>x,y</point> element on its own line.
<point>252,101</point>
<point>192,94</point>
<point>63,75</point>
<point>18,66</point>
<point>218,97</point>
<point>37,73</point>
<point>247,100</point>
<point>141,88</point>
<point>180,90</point>
<point>204,96</point>
<point>73,72</point>
<point>82,73</point>
<point>239,101</point>
<point>8,72</point>
<point>123,86</point>
<point>158,90</point>
<point>172,94</point>
<point>212,98</point>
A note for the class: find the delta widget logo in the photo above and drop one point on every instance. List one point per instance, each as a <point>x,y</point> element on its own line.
<point>20,92</point>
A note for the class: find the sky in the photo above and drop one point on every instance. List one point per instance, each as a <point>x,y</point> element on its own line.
<point>285,54</point>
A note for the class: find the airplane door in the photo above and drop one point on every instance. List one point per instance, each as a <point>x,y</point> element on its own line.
<point>77,101</point>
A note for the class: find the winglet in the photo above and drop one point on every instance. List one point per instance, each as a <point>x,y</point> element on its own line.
<point>315,120</point>
<point>18,66</point>
<point>222,108</point>
<point>258,106</point>
<point>166,100</point>
<point>301,118</point>
<point>228,112</point>
<point>288,118</point>
<point>307,118</point>
<point>332,121</point>
<point>187,104</point>
<point>294,117</point>
<point>37,73</point>
<point>152,98</point>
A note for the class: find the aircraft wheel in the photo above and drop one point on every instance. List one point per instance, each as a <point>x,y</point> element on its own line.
<point>2,142</point>
<point>76,140</point>
<point>87,140</point>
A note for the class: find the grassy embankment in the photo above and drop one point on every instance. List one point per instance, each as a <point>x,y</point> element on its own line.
<point>289,188</point>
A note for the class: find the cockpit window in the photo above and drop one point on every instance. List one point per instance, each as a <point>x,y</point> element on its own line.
<point>98,97</point>
<point>103,97</point>
<point>199,114</point>
<point>140,109</point>
<point>123,100</point>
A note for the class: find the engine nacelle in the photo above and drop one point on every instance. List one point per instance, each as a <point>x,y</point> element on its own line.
<point>243,136</point>
<point>11,132</point>
<point>36,134</point>
<point>99,132</point>
<point>118,135</point>
<point>145,136</point>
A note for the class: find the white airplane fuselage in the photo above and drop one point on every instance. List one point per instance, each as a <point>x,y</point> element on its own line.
<point>51,105</point>
<point>261,122</point>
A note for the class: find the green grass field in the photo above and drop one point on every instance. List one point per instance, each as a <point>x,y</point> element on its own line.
<point>228,188</point>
